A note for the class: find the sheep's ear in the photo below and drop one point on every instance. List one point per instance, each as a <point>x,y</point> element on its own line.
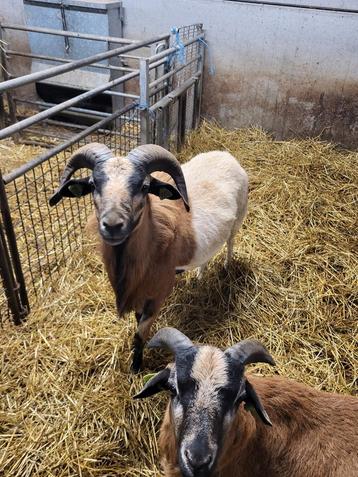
<point>253,403</point>
<point>72,188</point>
<point>163,190</point>
<point>157,383</point>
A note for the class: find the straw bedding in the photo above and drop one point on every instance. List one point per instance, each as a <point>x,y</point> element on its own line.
<point>65,389</point>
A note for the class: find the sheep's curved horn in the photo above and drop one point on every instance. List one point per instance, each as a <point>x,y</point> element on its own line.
<point>250,351</point>
<point>156,158</point>
<point>85,157</point>
<point>171,339</point>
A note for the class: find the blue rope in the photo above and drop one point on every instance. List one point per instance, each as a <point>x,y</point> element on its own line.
<point>179,46</point>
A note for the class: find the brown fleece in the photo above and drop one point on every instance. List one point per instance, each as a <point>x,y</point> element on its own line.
<point>314,434</point>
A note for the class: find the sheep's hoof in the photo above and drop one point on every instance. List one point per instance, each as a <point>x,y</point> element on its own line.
<point>137,362</point>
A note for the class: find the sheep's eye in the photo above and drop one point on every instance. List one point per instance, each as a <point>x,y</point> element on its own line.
<point>145,188</point>
<point>172,390</point>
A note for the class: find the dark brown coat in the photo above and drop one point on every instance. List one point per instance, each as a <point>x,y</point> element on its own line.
<point>314,434</point>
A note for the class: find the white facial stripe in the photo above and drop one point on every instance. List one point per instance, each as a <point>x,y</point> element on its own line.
<point>118,170</point>
<point>210,369</point>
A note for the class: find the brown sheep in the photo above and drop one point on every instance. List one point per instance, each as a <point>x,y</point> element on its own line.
<point>145,240</point>
<point>218,421</point>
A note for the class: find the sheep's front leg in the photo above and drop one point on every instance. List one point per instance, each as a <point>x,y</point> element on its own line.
<point>144,321</point>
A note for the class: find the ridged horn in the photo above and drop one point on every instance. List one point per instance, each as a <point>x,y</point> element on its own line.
<point>85,157</point>
<point>156,158</point>
<point>250,351</point>
<point>172,339</point>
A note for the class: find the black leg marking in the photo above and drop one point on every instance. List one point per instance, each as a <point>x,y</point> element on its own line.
<point>138,316</point>
<point>137,353</point>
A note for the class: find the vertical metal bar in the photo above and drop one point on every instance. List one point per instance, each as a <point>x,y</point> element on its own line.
<point>8,280</point>
<point>165,111</point>
<point>144,101</point>
<point>160,127</point>
<point>2,111</point>
<point>6,76</point>
<point>181,120</point>
<point>10,233</point>
<point>199,87</point>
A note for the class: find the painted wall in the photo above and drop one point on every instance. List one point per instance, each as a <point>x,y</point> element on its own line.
<point>291,70</point>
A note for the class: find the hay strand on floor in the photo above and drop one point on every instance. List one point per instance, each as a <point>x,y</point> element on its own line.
<point>65,389</point>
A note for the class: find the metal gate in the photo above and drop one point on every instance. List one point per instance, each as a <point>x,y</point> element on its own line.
<point>161,95</point>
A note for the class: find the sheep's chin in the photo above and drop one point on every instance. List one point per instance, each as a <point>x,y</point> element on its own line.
<point>114,242</point>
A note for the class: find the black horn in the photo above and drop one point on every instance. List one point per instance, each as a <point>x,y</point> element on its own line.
<point>156,158</point>
<point>85,157</point>
<point>172,339</point>
<point>250,351</point>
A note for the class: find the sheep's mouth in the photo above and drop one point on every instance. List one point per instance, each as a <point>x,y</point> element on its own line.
<point>113,241</point>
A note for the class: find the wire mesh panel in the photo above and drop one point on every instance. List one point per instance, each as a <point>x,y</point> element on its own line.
<point>179,116</point>
<point>46,235</point>
<point>38,239</point>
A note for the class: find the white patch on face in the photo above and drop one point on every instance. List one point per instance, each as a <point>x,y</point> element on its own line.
<point>118,170</point>
<point>210,372</point>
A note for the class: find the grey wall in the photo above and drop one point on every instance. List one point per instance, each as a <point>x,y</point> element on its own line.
<point>293,71</point>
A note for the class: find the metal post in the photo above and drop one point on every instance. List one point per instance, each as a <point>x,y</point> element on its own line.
<point>165,111</point>
<point>6,76</point>
<point>8,280</point>
<point>145,133</point>
<point>181,120</point>
<point>198,88</point>
<point>15,257</point>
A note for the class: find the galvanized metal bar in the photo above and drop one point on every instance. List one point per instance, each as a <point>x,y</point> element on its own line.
<point>57,70</point>
<point>165,111</point>
<point>70,34</point>
<point>11,176</point>
<point>2,113</point>
<point>60,107</point>
<point>170,97</point>
<point>10,233</point>
<point>144,101</point>
<point>181,120</point>
<point>173,49</point>
<point>159,128</point>
<point>63,60</point>
<point>46,105</point>
<point>8,281</point>
<point>18,285</point>
<point>172,72</point>
<point>198,89</point>
<point>6,75</point>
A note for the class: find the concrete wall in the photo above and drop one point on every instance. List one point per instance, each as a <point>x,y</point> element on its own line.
<point>291,70</point>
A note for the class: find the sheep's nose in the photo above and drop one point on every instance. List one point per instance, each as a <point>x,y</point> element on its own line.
<point>198,461</point>
<point>111,228</point>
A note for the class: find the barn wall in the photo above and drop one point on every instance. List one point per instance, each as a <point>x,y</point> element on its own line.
<point>292,70</point>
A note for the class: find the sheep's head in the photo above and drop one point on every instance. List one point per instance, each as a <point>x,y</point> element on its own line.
<point>120,185</point>
<point>207,385</point>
